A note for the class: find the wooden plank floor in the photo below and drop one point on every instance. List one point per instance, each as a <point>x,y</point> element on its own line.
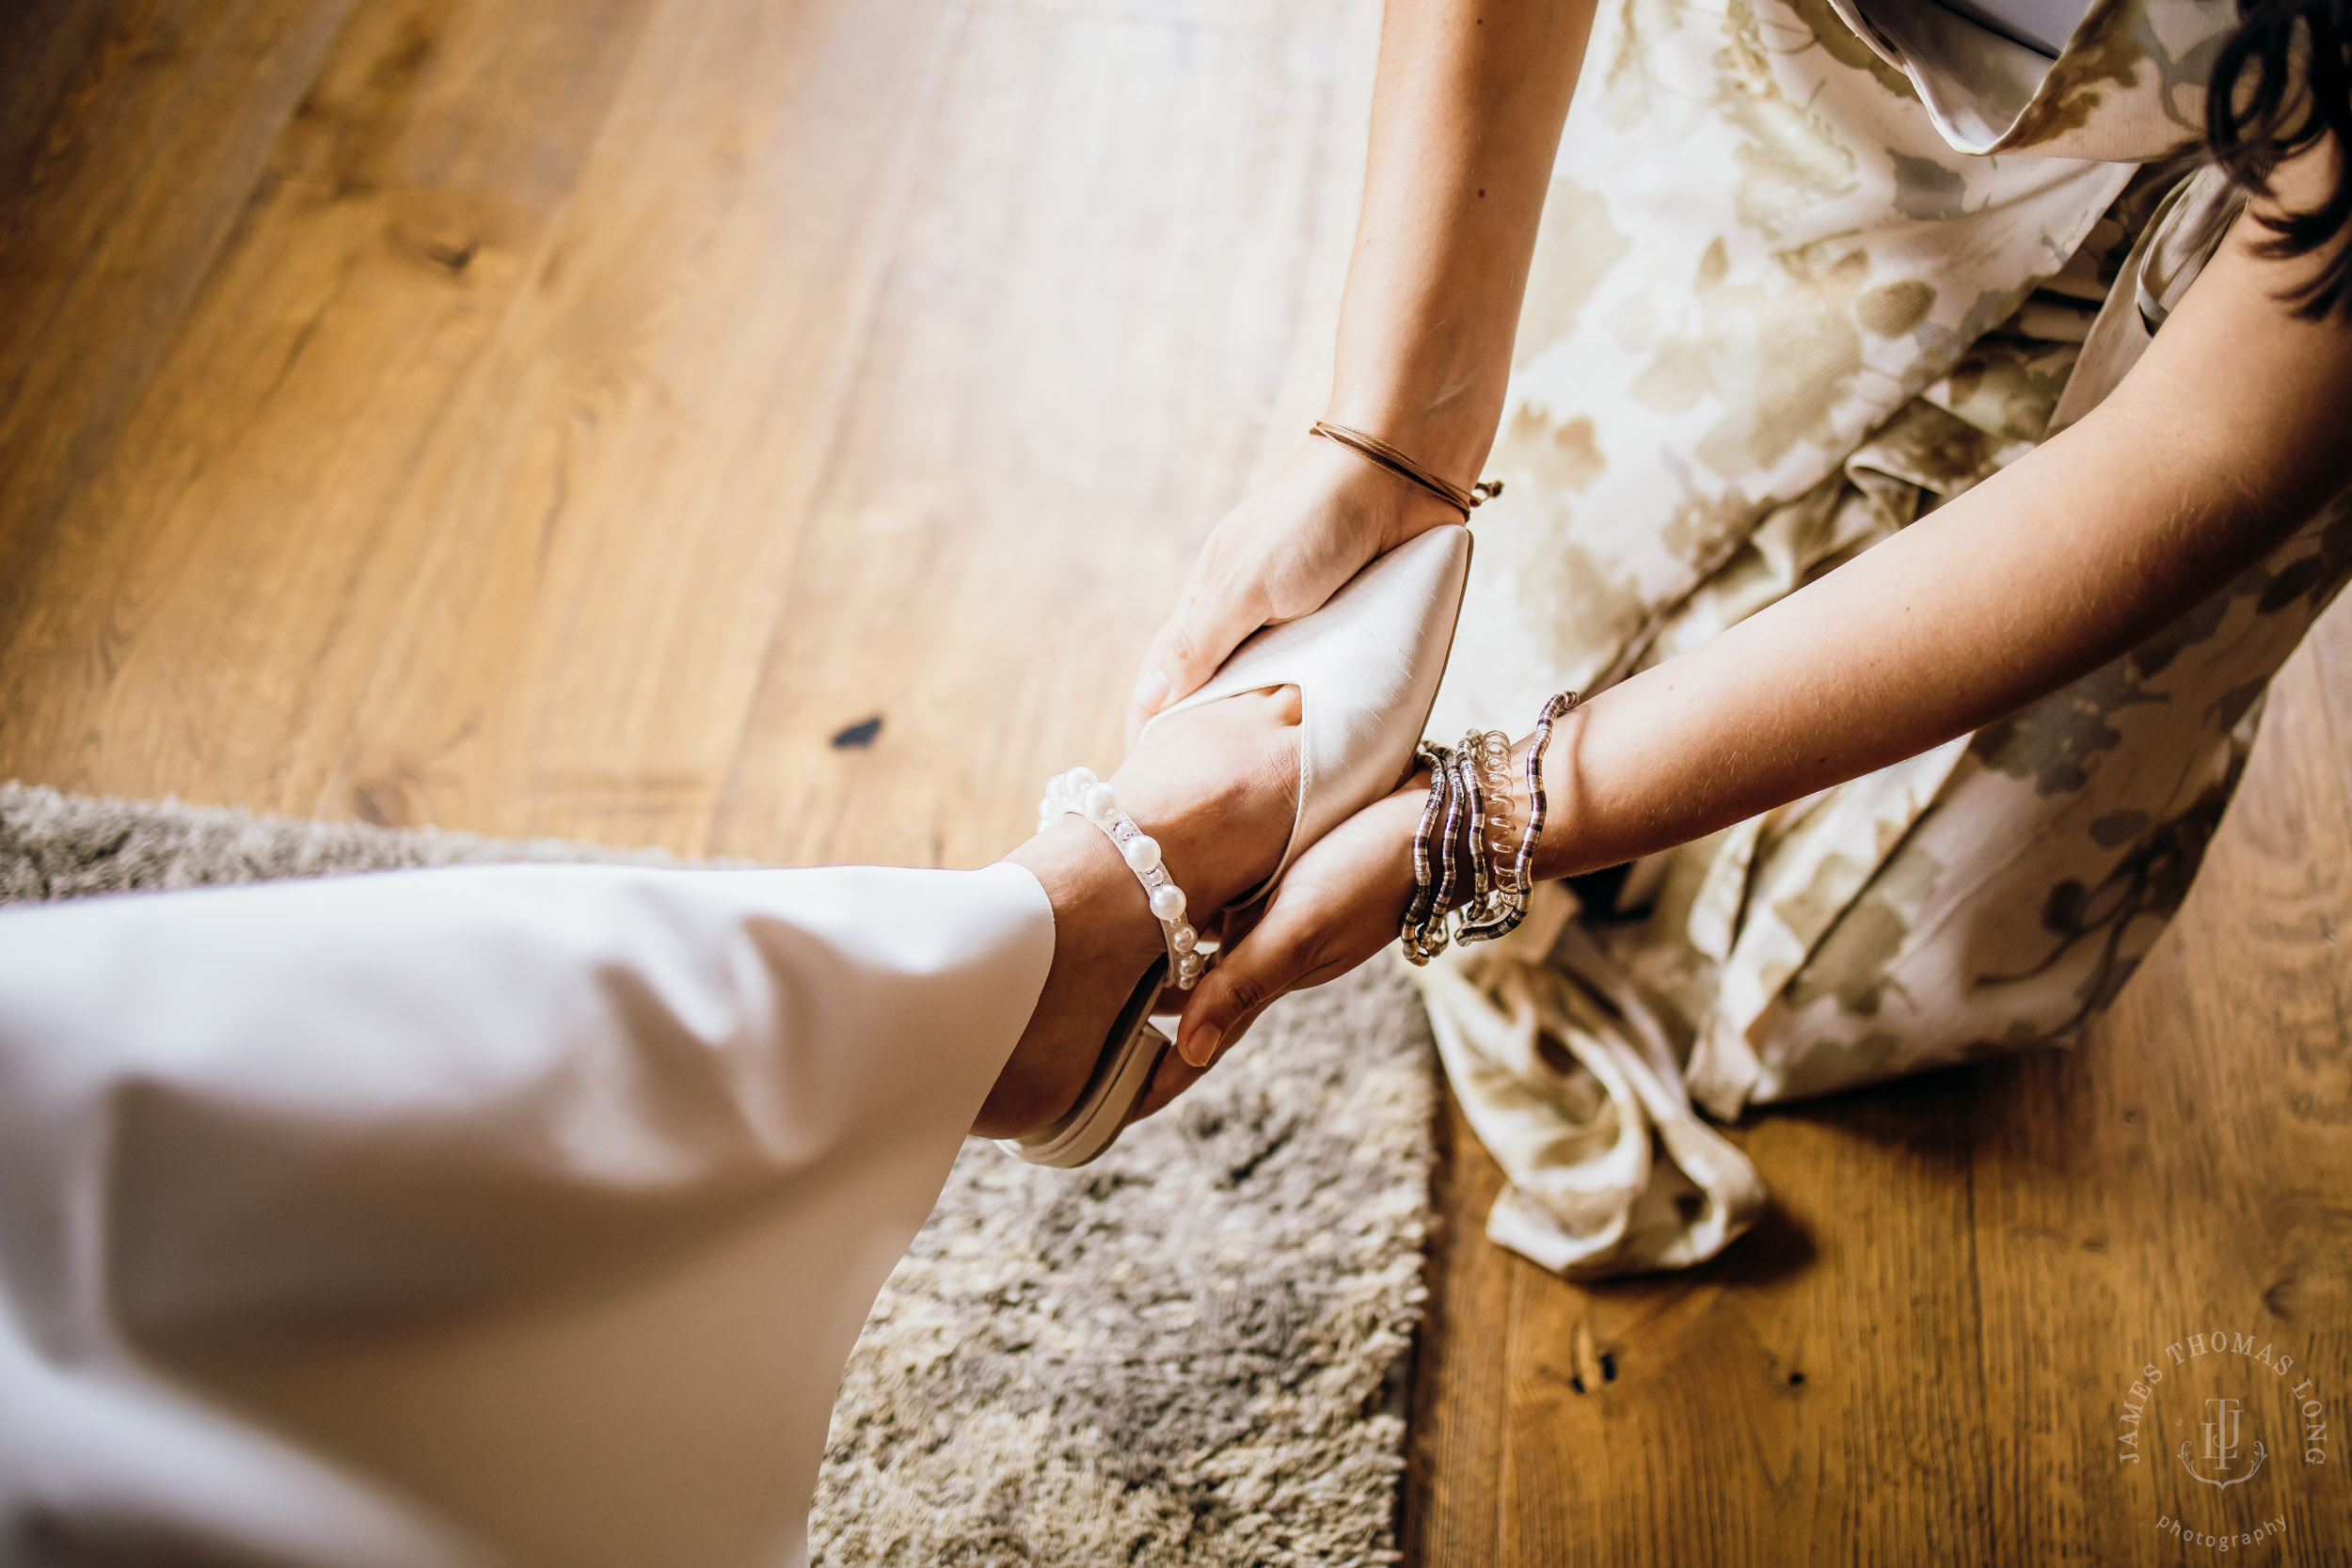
<point>569,419</point>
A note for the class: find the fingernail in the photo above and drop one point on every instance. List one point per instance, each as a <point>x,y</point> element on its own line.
<point>1151,689</point>
<point>1199,1049</point>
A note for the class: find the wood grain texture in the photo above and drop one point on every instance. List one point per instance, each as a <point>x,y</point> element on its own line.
<point>1103,315</point>
<point>103,251</point>
<point>570,419</point>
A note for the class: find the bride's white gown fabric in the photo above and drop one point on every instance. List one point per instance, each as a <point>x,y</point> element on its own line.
<point>499,1216</point>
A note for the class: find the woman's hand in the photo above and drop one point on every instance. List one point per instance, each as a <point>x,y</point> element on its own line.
<point>1339,904</point>
<point>1276,557</point>
<point>1466,117</point>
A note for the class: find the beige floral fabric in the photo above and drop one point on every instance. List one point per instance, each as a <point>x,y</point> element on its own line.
<point>1804,274</point>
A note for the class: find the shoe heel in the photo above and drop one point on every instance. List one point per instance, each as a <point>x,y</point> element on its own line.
<point>1367,666</point>
<point>1122,1076</point>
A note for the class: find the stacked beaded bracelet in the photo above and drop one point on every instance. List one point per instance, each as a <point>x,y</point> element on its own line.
<point>1080,793</point>
<point>1463,863</point>
<point>1451,868</point>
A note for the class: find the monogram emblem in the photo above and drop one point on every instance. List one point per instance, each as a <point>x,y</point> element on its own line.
<point>2222,1452</point>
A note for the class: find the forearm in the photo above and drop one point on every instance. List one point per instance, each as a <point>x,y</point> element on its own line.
<point>2011,591</point>
<point>1466,119</point>
<point>1467,113</point>
<point>2225,437</point>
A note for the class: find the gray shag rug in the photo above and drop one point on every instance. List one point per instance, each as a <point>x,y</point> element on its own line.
<point>1196,1351</point>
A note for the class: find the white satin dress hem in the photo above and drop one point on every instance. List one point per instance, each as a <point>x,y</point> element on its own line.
<point>515,1214</point>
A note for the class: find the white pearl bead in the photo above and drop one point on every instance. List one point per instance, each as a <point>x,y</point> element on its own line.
<point>1142,852</point>
<point>1186,938</point>
<point>1168,901</point>
<point>1102,805</point>
<point>1079,778</point>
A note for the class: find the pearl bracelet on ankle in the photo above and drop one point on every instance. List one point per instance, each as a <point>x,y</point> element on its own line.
<point>1080,793</point>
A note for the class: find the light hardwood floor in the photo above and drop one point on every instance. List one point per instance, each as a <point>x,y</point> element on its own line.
<point>571,418</point>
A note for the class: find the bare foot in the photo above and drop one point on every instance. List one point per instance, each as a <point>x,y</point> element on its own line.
<point>1217,786</point>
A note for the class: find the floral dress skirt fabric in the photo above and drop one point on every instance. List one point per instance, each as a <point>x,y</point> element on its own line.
<point>1804,275</point>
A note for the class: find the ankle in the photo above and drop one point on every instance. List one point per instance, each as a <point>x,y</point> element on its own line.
<point>1100,915</point>
<point>1217,834</point>
<point>1192,847</point>
<point>1102,931</point>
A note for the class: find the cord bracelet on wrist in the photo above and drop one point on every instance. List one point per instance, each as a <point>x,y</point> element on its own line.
<point>1374,450</point>
<point>1462,864</point>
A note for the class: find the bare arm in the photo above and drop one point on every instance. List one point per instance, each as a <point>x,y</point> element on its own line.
<point>1466,117</point>
<point>2231,431</point>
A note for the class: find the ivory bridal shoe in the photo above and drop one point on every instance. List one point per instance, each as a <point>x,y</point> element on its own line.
<point>1367,666</point>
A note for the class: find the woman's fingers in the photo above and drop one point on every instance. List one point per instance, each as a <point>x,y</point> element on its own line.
<point>1338,906</point>
<point>1231,996</point>
<point>1277,555</point>
<point>1175,1075</point>
<point>1211,621</point>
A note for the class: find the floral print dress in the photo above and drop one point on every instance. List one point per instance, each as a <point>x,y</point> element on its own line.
<point>1808,269</point>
